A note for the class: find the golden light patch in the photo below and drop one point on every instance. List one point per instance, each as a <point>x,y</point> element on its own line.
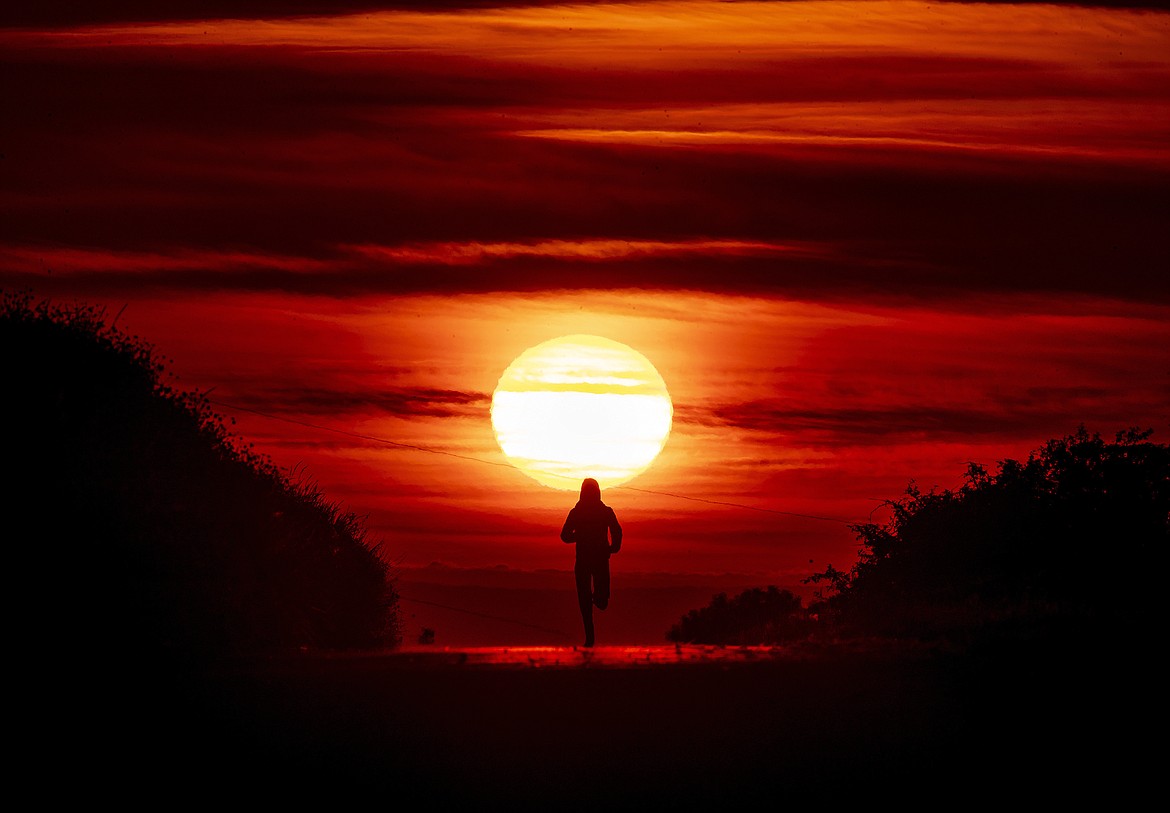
<point>581,406</point>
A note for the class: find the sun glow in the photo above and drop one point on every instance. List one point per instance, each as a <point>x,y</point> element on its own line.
<point>581,406</point>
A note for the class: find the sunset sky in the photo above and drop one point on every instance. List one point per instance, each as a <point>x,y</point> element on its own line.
<point>862,243</point>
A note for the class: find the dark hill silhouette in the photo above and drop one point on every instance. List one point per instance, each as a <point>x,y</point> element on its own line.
<point>141,527</point>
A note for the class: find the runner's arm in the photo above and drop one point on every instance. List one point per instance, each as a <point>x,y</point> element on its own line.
<point>615,533</point>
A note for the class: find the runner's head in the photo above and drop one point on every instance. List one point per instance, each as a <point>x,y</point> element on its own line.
<point>590,490</point>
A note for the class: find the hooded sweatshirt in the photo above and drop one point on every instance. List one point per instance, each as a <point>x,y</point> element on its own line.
<point>592,525</point>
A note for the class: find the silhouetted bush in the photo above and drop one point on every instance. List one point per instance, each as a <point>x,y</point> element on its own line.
<point>139,523</point>
<point>755,616</point>
<point>1069,539</point>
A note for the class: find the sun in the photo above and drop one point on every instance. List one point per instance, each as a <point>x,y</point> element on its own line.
<point>581,406</point>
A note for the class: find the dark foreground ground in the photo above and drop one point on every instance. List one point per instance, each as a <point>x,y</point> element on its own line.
<point>625,730</point>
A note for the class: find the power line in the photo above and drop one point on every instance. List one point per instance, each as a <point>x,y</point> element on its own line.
<point>560,633</point>
<point>735,505</point>
<point>472,458</point>
<point>358,435</point>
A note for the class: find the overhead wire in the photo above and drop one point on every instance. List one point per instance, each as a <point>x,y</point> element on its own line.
<point>474,459</point>
<point>557,632</point>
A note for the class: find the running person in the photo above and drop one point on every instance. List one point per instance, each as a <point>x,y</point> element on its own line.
<point>593,527</point>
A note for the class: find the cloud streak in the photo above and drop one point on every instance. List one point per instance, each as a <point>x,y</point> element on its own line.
<point>861,242</point>
<point>904,153</point>
<point>595,250</point>
<point>403,402</point>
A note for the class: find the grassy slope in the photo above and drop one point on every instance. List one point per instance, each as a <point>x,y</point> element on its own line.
<point>151,530</point>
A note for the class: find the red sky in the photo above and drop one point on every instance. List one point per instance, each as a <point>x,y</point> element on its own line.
<point>863,242</point>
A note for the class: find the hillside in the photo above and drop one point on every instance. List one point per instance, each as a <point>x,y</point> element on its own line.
<point>140,525</point>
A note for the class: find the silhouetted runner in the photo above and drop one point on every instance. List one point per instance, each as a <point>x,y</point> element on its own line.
<point>593,527</point>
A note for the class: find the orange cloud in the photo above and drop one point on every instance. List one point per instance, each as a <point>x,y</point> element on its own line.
<point>65,260</point>
<point>1091,128</point>
<point>668,34</point>
<point>594,250</point>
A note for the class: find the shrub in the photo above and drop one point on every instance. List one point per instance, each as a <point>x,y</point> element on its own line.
<point>755,616</point>
<point>1044,541</point>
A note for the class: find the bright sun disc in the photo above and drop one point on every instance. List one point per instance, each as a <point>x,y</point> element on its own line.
<point>581,406</point>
